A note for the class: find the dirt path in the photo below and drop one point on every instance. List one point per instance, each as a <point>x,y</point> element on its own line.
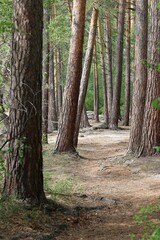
<point>114,186</point>
<point>101,191</point>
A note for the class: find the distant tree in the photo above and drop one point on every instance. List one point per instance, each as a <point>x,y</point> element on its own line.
<point>65,138</point>
<point>45,91</point>
<point>140,81</point>
<point>52,105</point>
<point>128,67</point>
<point>108,43</point>
<point>96,85</point>
<point>118,63</point>
<point>52,110</point>
<point>105,100</point>
<point>24,167</point>
<point>151,125</point>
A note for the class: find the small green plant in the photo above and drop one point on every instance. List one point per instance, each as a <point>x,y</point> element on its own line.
<point>132,236</point>
<point>62,186</point>
<point>151,230</point>
<point>157,148</point>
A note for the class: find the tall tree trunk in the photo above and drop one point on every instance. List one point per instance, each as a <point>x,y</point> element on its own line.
<point>119,62</point>
<point>151,126</point>
<point>52,111</point>
<point>60,88</point>
<point>96,86</point>
<point>128,68</point>
<point>140,83</point>
<point>108,43</point>
<point>106,118</point>
<point>52,108</point>
<point>86,72</point>
<point>58,80</point>
<point>56,77</point>
<point>24,169</point>
<point>65,138</point>
<point>45,76</point>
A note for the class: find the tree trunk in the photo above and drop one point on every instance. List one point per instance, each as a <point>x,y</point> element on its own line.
<point>96,86</point>
<point>108,43</point>
<point>86,72</point>
<point>119,61</point>
<point>1,100</point>
<point>84,119</point>
<point>140,83</point>
<point>52,111</point>
<point>24,169</point>
<point>106,118</point>
<point>128,68</point>
<point>65,138</point>
<point>45,76</point>
<point>60,88</point>
<point>151,125</point>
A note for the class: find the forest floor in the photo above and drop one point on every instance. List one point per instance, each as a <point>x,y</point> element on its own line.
<point>101,190</point>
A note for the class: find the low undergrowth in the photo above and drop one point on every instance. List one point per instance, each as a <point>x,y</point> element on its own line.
<point>12,210</point>
<point>149,219</point>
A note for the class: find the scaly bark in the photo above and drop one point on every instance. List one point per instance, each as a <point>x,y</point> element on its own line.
<point>140,82</point>
<point>151,125</point>
<point>24,165</point>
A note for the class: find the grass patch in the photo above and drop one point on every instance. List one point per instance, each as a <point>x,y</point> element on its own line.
<point>16,211</point>
<point>62,185</point>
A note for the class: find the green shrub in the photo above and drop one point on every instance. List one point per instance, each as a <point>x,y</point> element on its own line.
<point>146,218</point>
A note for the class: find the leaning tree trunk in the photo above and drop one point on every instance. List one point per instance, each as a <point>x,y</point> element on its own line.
<point>128,68</point>
<point>119,61</point>
<point>65,138</point>
<point>24,170</point>
<point>86,72</point>
<point>140,82</point>
<point>151,125</point>
<point>45,76</point>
